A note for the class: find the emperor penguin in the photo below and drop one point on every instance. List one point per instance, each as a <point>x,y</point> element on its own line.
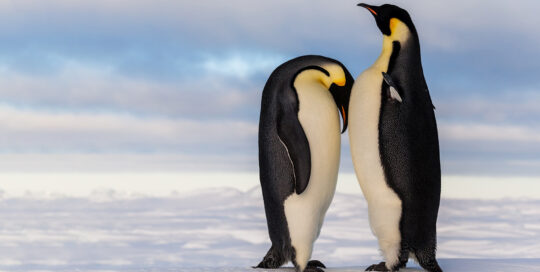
<point>299,152</point>
<point>395,147</point>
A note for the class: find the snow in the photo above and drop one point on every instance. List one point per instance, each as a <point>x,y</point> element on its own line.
<point>136,185</point>
<point>449,265</point>
<point>224,229</point>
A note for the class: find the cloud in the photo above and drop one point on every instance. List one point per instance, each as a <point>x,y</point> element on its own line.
<point>131,162</point>
<point>104,142</point>
<point>490,133</point>
<point>80,88</point>
<point>262,22</point>
<point>241,66</point>
<point>519,106</point>
<point>167,40</point>
<point>42,131</point>
<point>181,78</point>
<point>489,149</point>
<point>464,44</point>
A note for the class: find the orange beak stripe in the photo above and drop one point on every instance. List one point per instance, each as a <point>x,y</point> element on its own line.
<point>372,11</point>
<point>343,113</point>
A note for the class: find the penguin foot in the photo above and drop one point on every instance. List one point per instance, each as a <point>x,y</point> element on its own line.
<point>271,260</point>
<point>312,266</point>
<point>378,267</point>
<point>313,269</point>
<point>315,263</point>
<point>268,263</point>
<point>431,266</point>
<point>426,259</point>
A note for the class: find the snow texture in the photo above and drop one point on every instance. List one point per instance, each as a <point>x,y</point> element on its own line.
<point>224,229</point>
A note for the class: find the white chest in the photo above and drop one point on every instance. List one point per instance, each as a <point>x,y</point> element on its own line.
<point>319,117</point>
<point>364,111</point>
<point>384,206</point>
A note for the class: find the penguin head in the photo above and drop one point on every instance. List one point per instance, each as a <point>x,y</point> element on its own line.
<point>336,79</point>
<point>340,88</point>
<point>392,20</point>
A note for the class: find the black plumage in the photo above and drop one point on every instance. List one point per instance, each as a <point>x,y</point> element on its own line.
<point>408,143</point>
<point>285,170</point>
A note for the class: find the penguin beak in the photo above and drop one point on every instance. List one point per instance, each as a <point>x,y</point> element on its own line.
<point>344,112</point>
<point>342,96</point>
<point>372,9</point>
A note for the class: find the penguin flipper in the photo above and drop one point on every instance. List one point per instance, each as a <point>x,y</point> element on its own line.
<point>292,135</point>
<point>394,94</point>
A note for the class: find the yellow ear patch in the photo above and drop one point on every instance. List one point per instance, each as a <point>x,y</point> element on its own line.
<point>337,75</point>
<point>393,24</point>
<point>399,30</point>
<point>340,81</point>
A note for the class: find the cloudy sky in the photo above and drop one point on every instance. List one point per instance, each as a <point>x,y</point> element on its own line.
<point>175,85</point>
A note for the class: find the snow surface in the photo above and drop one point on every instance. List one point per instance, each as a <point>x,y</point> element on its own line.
<point>224,229</point>
<point>163,184</point>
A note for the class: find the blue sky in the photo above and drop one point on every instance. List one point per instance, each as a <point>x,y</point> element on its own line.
<point>175,85</point>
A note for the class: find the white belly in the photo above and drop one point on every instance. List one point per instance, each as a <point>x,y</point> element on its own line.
<point>305,212</point>
<point>384,206</point>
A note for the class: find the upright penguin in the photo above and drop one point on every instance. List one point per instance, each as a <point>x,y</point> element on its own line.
<point>394,146</point>
<point>299,149</point>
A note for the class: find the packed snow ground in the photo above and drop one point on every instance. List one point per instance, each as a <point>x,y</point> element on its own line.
<point>224,229</point>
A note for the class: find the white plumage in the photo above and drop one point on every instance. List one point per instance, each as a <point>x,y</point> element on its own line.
<point>319,118</point>
<point>384,205</point>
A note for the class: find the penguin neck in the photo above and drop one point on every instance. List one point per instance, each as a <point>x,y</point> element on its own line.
<point>384,58</point>
<point>312,76</point>
<point>407,39</point>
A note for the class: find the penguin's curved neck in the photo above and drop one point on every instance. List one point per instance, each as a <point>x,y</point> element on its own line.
<point>313,76</point>
<point>400,33</point>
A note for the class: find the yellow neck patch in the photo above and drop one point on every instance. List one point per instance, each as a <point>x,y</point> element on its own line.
<point>399,30</point>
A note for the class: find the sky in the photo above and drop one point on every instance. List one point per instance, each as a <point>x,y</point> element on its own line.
<point>175,86</point>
